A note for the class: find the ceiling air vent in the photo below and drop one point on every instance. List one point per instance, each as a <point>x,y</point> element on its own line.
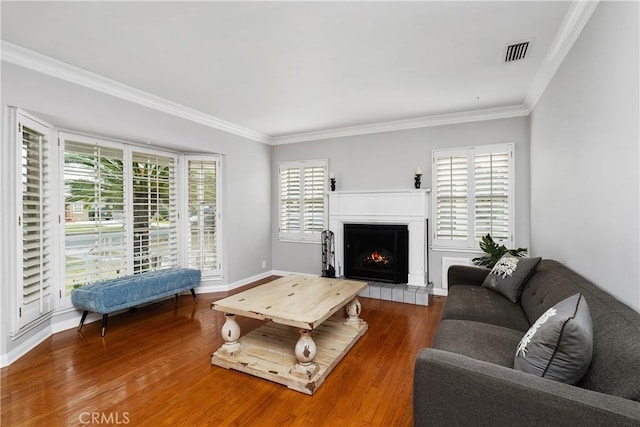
<point>516,52</point>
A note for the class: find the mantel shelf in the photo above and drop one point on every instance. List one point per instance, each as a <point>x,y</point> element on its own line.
<point>396,191</point>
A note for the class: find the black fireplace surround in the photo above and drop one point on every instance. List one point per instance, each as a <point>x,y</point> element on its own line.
<point>376,252</point>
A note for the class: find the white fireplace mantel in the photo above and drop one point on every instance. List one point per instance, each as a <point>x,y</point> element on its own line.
<point>404,207</point>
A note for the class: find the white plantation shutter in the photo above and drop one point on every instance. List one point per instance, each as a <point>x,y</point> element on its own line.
<point>452,187</point>
<point>302,199</point>
<point>314,191</point>
<point>34,205</point>
<point>473,195</point>
<point>155,215</point>
<point>290,191</point>
<point>492,212</point>
<point>203,214</point>
<point>95,234</point>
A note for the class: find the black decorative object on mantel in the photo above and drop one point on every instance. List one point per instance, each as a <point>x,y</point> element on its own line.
<point>332,178</point>
<point>328,254</point>
<point>418,177</point>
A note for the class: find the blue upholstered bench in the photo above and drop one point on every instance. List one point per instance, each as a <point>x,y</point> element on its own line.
<point>124,292</point>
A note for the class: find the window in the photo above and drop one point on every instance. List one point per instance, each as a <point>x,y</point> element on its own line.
<point>302,199</point>
<point>34,232</point>
<point>473,195</point>
<point>130,221</point>
<point>203,213</point>
<point>155,211</point>
<point>95,242</point>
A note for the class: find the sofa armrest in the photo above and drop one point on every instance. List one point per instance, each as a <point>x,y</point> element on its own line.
<point>466,275</point>
<point>450,389</point>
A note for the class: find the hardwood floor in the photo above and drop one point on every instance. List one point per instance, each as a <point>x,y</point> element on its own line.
<point>153,368</point>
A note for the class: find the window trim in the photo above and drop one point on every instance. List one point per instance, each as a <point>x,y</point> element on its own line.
<point>471,242</point>
<point>302,236</point>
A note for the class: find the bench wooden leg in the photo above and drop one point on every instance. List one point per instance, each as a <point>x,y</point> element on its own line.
<point>193,294</point>
<point>104,323</point>
<point>84,317</point>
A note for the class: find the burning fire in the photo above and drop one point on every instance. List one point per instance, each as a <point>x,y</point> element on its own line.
<point>378,258</point>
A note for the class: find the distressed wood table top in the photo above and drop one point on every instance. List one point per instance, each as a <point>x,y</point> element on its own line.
<point>298,301</point>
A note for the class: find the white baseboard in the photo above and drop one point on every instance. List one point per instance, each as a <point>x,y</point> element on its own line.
<point>60,325</point>
<point>221,287</point>
<point>247,280</point>
<point>208,289</point>
<point>288,273</point>
<point>440,292</point>
<point>25,347</point>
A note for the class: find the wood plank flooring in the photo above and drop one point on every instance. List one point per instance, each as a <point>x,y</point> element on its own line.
<point>153,368</point>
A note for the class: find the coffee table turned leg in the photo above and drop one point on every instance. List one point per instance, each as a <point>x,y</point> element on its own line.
<point>305,351</point>
<point>230,334</point>
<point>354,308</point>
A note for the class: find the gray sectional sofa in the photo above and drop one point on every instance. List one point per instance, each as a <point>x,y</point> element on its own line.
<point>467,377</point>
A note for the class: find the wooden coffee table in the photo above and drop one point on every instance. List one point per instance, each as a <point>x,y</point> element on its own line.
<point>305,335</point>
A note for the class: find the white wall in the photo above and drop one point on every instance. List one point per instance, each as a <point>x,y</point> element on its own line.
<point>585,187</point>
<point>388,161</point>
<point>246,215</point>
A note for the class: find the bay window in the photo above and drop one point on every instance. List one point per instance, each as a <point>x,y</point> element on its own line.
<point>91,209</point>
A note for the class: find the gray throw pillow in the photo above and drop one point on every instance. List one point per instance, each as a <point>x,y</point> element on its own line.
<point>509,275</point>
<point>559,346</point>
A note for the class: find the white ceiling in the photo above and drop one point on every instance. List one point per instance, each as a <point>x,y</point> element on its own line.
<point>289,68</point>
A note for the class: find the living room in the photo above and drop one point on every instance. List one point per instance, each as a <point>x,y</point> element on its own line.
<point>574,131</point>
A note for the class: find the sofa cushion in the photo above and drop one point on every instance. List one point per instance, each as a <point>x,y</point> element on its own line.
<point>616,327</point>
<point>559,345</point>
<point>509,275</point>
<point>466,275</point>
<point>480,341</point>
<point>551,283</point>
<point>469,302</point>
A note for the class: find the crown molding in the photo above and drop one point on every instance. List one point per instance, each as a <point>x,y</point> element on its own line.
<point>52,67</point>
<point>574,22</point>
<point>29,59</point>
<point>414,123</point>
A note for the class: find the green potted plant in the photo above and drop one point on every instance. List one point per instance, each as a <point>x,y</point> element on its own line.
<point>494,252</point>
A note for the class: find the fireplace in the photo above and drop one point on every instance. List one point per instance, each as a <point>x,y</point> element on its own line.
<point>376,252</point>
<point>383,207</point>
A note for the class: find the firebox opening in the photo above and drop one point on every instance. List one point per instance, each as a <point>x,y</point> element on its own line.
<point>376,252</point>
<point>377,257</point>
